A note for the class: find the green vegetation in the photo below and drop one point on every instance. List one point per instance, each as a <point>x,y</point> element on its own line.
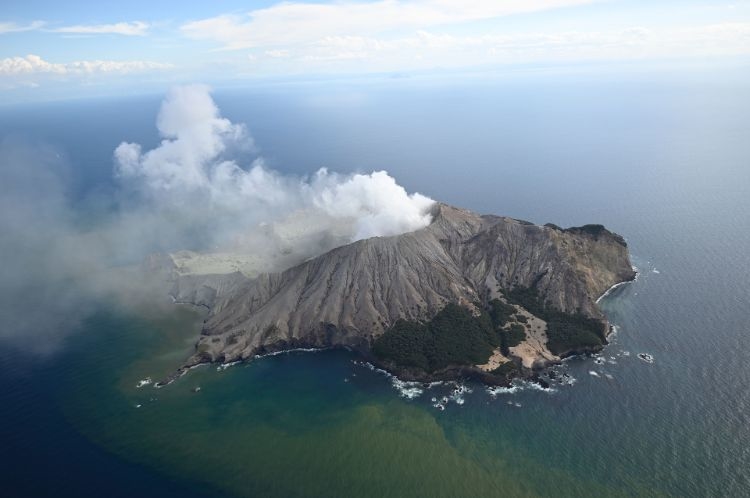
<point>572,332</point>
<point>500,313</point>
<point>456,337</point>
<point>505,369</point>
<point>515,335</point>
<point>405,344</point>
<point>453,337</point>
<point>593,230</point>
<point>565,331</point>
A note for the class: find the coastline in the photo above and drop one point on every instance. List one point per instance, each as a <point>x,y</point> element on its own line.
<point>636,272</point>
<point>453,373</point>
<point>407,374</point>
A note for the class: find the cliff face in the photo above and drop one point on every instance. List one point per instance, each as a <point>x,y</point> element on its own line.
<point>352,294</point>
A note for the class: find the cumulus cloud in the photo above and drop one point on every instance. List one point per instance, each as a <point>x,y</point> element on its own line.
<point>135,28</point>
<point>34,64</point>
<point>33,71</point>
<point>203,188</point>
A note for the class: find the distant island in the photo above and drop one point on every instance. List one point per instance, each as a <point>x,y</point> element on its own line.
<point>469,296</point>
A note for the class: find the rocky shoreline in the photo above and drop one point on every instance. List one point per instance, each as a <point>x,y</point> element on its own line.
<point>544,278</point>
<point>455,373</point>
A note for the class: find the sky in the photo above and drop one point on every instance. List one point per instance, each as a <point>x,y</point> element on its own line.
<point>60,49</point>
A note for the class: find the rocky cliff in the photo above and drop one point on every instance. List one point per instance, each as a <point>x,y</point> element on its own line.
<point>351,295</point>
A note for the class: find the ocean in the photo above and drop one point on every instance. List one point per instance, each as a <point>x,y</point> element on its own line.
<point>662,159</point>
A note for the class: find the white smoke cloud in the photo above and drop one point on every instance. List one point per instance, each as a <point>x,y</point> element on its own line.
<point>50,266</point>
<point>190,192</point>
<point>375,202</point>
<point>194,173</point>
<point>194,137</point>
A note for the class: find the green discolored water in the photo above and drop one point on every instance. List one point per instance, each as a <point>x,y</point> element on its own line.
<point>312,424</point>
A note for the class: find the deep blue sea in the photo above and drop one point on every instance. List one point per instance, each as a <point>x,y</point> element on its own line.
<point>663,160</point>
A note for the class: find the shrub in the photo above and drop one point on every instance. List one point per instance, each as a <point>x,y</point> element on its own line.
<point>505,369</point>
<point>453,337</point>
<point>500,313</point>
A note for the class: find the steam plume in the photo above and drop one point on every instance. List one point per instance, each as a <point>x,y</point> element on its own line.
<point>202,188</point>
<point>195,169</point>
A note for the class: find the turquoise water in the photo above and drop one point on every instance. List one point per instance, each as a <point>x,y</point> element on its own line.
<point>666,165</point>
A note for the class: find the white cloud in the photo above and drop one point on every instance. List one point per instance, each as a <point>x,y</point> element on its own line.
<point>292,23</point>
<point>34,64</point>
<point>278,54</point>
<point>428,49</point>
<point>397,35</point>
<point>634,42</point>
<point>11,27</point>
<point>135,28</point>
<point>27,65</point>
